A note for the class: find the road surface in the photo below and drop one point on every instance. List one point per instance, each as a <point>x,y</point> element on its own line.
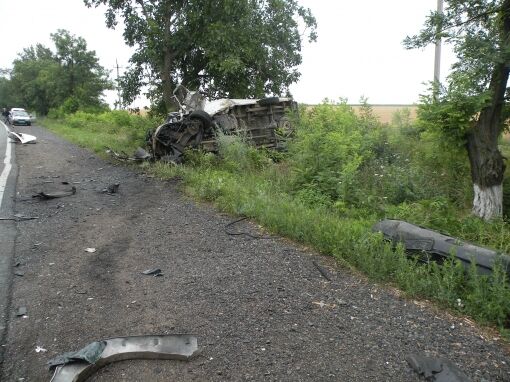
<point>7,228</point>
<point>260,308</point>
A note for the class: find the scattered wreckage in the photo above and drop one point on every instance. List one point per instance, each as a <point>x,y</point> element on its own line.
<point>79,365</point>
<point>21,137</point>
<point>428,245</point>
<point>263,122</point>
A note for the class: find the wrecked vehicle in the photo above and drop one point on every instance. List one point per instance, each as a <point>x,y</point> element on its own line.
<point>263,122</point>
<point>428,245</point>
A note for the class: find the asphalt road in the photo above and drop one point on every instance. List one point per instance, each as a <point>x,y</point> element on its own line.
<point>8,173</point>
<point>260,308</point>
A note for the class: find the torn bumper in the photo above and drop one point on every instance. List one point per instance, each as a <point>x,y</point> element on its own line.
<point>178,347</point>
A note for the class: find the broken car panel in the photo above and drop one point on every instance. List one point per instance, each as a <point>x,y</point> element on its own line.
<point>80,365</point>
<point>431,245</point>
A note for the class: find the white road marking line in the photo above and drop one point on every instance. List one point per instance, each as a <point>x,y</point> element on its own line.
<point>7,168</point>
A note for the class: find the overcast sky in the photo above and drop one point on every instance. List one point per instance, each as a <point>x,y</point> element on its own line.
<point>358,52</point>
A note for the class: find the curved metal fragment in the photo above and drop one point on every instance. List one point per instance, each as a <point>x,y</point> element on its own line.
<point>440,247</point>
<point>179,347</point>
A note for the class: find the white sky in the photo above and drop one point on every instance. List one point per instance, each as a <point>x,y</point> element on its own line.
<point>358,52</point>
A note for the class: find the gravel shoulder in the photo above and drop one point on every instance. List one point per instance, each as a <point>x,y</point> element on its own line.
<point>259,307</point>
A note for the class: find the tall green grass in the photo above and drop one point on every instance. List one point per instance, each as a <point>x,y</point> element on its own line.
<point>341,174</point>
<point>117,129</point>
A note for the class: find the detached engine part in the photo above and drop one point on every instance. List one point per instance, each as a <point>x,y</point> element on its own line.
<point>431,245</point>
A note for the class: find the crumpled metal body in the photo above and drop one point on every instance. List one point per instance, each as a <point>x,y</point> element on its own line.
<point>76,367</point>
<point>198,123</point>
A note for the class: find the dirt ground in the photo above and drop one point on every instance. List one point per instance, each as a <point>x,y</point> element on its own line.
<point>259,307</point>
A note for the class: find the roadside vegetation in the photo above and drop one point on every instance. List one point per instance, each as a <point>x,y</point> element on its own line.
<point>342,173</point>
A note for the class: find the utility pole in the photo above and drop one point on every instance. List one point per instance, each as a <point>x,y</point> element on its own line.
<point>118,103</point>
<point>437,56</point>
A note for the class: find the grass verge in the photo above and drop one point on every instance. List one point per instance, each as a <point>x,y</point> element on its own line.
<point>337,180</point>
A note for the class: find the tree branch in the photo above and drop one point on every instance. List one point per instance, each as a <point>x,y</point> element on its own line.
<point>471,19</point>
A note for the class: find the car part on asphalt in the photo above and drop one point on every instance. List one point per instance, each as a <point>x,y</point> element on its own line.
<point>90,354</point>
<point>112,188</point>
<point>261,122</point>
<point>21,137</point>
<point>139,155</point>
<point>78,366</point>
<point>430,245</point>
<point>436,369</point>
<point>321,270</point>
<point>154,272</point>
<point>20,217</point>
<point>56,194</point>
<point>228,232</point>
<point>22,311</point>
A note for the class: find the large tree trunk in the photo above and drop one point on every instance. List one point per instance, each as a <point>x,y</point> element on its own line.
<point>487,169</point>
<point>168,58</point>
<point>166,80</point>
<point>487,163</point>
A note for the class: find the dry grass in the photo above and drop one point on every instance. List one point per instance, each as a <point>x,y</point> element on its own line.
<point>385,112</point>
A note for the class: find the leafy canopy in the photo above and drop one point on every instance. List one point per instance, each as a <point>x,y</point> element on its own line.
<point>71,76</point>
<point>475,30</point>
<point>235,48</point>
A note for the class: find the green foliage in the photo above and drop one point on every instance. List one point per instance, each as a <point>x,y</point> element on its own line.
<point>235,48</point>
<point>117,129</point>
<point>70,78</point>
<point>7,96</point>
<point>348,161</point>
<point>296,197</point>
<point>472,109</point>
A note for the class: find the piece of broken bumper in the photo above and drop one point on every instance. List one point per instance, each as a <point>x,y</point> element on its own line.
<point>21,137</point>
<point>176,347</point>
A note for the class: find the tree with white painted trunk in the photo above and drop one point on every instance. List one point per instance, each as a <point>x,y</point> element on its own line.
<point>473,105</point>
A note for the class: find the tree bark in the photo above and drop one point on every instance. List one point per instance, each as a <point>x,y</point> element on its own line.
<point>168,57</point>
<point>487,163</point>
<point>166,79</point>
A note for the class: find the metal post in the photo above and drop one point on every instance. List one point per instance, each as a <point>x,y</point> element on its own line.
<point>437,57</point>
<point>118,85</point>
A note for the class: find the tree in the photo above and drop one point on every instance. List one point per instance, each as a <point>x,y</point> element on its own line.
<point>33,79</point>
<point>7,98</point>
<point>472,107</point>
<point>82,79</point>
<point>234,48</point>
<point>41,79</point>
